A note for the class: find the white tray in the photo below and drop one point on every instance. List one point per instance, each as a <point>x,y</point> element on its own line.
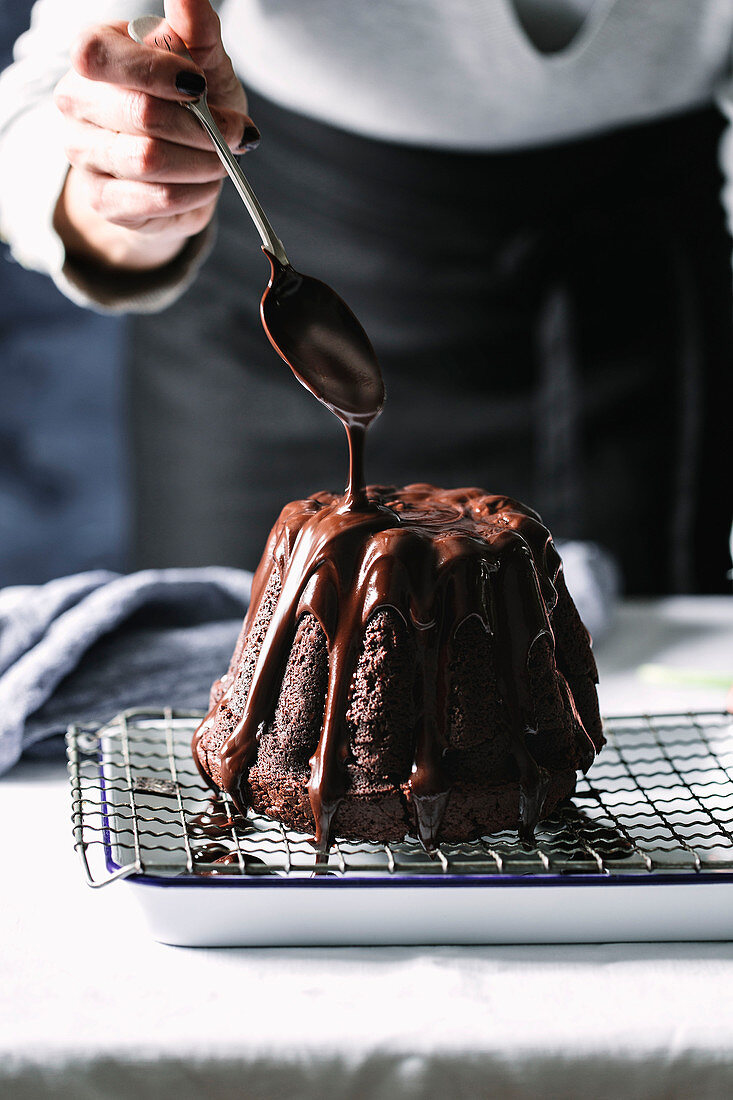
<point>435,913</point>
<point>644,851</point>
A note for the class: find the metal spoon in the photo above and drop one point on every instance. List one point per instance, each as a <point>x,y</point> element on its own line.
<point>306,321</point>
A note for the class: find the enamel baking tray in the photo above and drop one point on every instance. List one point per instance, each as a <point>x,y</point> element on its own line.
<point>644,851</point>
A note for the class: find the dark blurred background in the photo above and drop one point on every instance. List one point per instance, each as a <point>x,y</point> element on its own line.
<point>63,497</point>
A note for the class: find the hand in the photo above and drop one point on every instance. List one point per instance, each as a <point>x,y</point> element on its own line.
<point>144,176</point>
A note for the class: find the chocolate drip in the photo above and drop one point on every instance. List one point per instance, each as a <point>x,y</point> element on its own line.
<point>355,495</point>
<point>523,620</point>
<point>212,853</point>
<point>436,558</point>
<point>214,826</point>
<point>212,821</point>
<point>429,784</point>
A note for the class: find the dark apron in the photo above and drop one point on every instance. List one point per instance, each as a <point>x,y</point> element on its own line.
<point>553,324</point>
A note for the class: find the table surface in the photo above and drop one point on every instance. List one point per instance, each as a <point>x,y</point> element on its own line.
<point>91,1006</point>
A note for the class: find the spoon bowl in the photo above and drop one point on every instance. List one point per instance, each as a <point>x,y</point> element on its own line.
<point>323,343</point>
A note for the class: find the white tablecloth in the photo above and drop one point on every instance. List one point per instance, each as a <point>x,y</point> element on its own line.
<point>90,1006</point>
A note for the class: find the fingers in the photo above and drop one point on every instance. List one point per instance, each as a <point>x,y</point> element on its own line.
<point>141,159</point>
<point>175,209</point>
<point>106,53</point>
<point>125,111</point>
<point>138,161</point>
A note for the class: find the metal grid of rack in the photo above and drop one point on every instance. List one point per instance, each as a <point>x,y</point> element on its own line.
<point>658,800</point>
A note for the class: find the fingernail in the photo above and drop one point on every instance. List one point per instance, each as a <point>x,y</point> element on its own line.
<point>189,83</point>
<point>250,137</point>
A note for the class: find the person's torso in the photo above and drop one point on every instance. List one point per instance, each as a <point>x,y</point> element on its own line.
<point>467,74</point>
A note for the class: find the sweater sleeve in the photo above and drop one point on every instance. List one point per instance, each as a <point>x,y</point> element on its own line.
<point>724,100</point>
<point>33,166</point>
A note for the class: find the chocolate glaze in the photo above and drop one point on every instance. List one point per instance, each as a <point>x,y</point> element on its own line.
<point>436,557</point>
<point>213,853</point>
<point>214,825</point>
<point>212,822</point>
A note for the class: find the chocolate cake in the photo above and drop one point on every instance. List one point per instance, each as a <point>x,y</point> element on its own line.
<point>411,663</point>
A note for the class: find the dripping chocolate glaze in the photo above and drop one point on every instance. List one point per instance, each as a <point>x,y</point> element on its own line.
<point>436,557</point>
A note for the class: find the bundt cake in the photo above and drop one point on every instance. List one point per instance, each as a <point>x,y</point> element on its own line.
<point>414,665</point>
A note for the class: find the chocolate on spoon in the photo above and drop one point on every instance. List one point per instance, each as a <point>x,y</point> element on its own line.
<point>307,323</point>
<point>322,342</point>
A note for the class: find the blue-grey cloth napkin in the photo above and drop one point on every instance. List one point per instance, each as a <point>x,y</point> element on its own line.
<point>82,648</point>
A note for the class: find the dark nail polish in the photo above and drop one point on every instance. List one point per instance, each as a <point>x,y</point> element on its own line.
<point>250,138</point>
<point>189,83</point>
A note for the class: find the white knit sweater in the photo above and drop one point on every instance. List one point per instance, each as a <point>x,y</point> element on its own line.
<point>452,74</point>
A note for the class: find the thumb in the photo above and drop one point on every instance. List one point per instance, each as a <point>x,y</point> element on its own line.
<point>198,25</point>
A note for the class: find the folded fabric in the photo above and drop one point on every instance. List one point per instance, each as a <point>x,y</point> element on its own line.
<point>81,648</point>
<point>594,581</point>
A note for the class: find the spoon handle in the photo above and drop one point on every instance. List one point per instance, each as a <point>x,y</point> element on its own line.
<point>270,240</point>
<point>147,30</point>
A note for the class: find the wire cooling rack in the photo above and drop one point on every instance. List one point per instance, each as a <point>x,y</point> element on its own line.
<point>658,800</point>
